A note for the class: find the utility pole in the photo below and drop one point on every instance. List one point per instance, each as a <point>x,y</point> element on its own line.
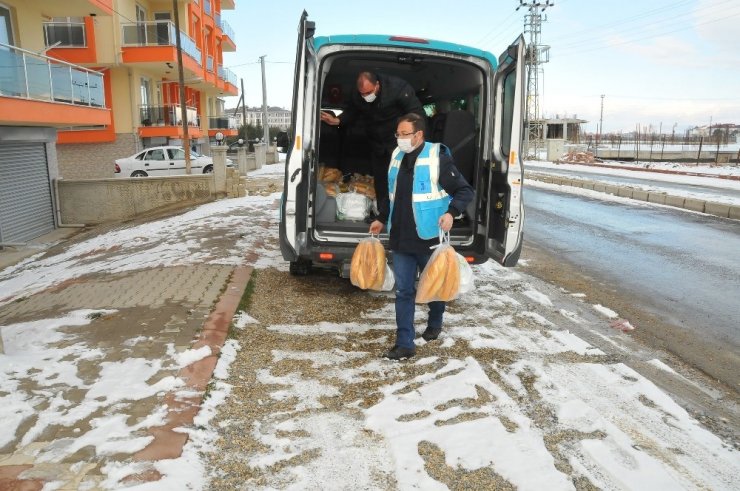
<point>244,109</point>
<point>264,103</point>
<point>537,54</point>
<point>601,120</point>
<point>181,82</point>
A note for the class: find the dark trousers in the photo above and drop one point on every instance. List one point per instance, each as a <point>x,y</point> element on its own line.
<point>405,267</point>
<point>380,160</point>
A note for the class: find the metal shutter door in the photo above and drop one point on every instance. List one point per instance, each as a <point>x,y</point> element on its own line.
<point>25,193</point>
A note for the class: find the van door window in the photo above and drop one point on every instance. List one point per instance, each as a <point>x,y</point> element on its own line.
<point>507,116</point>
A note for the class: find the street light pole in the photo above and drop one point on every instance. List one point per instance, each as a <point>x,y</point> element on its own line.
<point>601,120</point>
<point>264,103</point>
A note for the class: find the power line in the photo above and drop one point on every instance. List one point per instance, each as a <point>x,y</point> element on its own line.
<point>574,51</point>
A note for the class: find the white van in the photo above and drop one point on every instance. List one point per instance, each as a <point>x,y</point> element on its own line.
<point>482,100</point>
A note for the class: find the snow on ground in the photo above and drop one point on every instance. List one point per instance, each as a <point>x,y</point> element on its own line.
<point>598,195</point>
<point>178,240</point>
<point>559,404</point>
<point>711,193</point>
<point>560,399</point>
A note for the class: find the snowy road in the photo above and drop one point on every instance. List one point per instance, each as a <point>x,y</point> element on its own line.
<point>684,267</point>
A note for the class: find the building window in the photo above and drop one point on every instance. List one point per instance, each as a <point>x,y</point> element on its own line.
<point>6,27</point>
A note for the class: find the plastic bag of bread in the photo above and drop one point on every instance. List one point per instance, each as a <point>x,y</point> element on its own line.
<point>369,269</point>
<point>352,206</point>
<point>441,278</point>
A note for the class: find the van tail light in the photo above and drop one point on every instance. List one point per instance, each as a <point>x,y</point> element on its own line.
<point>118,169</point>
<point>326,256</point>
<point>469,259</point>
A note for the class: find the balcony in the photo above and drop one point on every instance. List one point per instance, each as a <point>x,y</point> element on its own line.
<point>227,75</point>
<point>228,43</point>
<point>230,80</point>
<point>67,34</point>
<point>166,120</point>
<point>228,4</point>
<point>226,124</point>
<point>149,43</point>
<point>43,91</point>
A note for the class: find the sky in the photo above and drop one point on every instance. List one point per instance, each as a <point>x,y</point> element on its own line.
<point>658,63</point>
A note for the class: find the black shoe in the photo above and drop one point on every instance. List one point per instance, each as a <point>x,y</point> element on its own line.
<point>399,353</point>
<point>431,334</point>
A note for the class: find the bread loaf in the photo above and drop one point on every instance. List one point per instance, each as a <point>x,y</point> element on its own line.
<point>379,255</point>
<point>451,284</point>
<point>367,269</point>
<point>432,278</point>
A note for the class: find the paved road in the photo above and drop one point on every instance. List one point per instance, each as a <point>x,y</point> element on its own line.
<point>707,189</point>
<point>683,267</point>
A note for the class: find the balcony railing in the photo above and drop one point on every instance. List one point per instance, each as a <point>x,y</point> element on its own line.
<point>223,122</point>
<point>67,34</point>
<point>167,115</point>
<point>158,33</point>
<point>226,28</point>
<point>226,74</point>
<point>32,76</point>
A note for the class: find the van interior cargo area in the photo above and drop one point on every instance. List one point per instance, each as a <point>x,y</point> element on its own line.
<point>451,91</point>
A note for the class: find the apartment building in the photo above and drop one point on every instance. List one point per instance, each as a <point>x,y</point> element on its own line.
<point>277,117</point>
<point>84,82</point>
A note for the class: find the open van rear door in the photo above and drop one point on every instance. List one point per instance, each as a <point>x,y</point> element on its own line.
<point>293,206</point>
<point>505,214</point>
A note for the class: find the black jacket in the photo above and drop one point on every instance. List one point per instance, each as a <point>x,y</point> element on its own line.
<point>403,227</point>
<point>395,98</point>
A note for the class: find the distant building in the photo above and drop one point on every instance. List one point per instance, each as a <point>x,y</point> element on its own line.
<point>277,117</point>
<point>730,131</point>
<point>566,128</point>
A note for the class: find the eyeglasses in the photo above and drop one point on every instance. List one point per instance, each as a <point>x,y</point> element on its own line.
<point>399,135</point>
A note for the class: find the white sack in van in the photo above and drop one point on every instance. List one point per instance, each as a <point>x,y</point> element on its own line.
<point>352,206</point>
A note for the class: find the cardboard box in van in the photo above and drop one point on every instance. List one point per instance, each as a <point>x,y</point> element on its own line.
<point>475,106</point>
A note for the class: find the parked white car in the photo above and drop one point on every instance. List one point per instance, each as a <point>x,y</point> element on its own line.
<point>164,161</point>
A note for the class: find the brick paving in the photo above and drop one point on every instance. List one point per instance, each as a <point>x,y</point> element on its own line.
<point>185,306</point>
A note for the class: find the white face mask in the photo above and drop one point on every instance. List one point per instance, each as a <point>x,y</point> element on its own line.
<point>404,144</point>
<point>370,97</point>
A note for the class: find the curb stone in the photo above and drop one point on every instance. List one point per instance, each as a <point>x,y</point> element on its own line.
<point>722,210</point>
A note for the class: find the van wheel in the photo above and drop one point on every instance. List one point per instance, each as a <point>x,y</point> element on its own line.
<point>300,268</point>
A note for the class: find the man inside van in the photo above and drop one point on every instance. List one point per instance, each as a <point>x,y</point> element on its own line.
<point>420,173</point>
<point>380,100</point>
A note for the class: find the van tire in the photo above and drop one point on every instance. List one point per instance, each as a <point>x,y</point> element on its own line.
<point>300,268</point>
